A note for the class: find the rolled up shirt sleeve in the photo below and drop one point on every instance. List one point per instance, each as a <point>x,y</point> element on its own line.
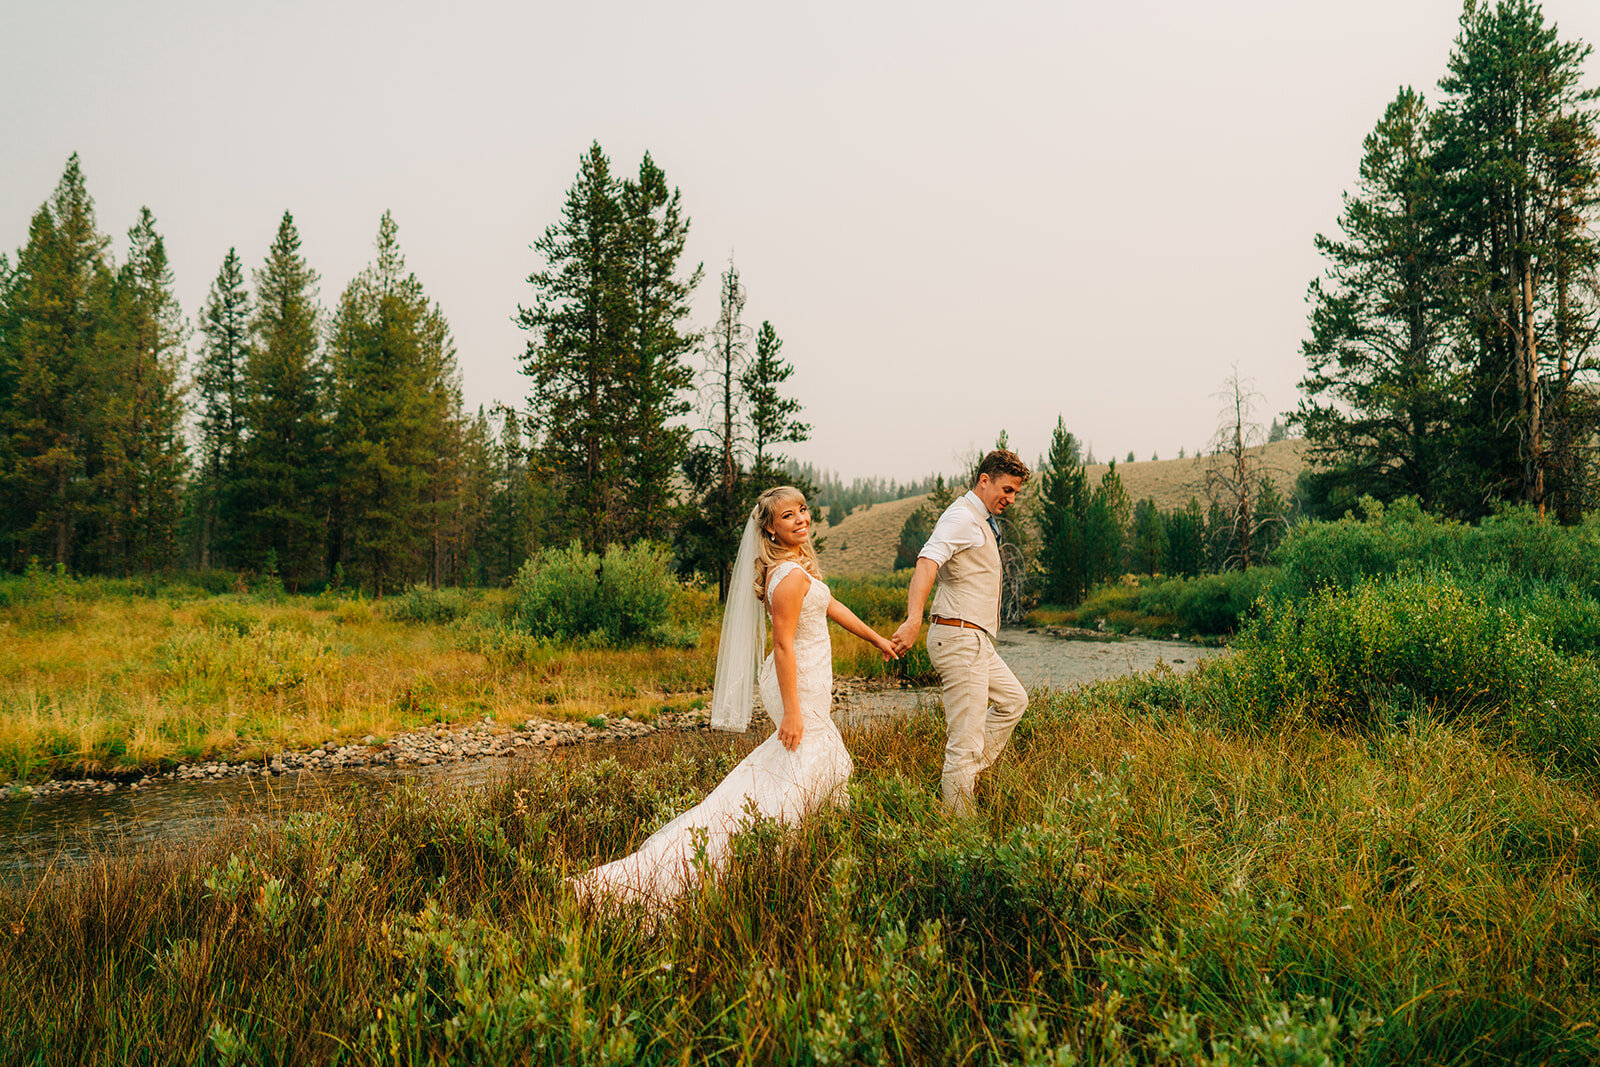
<point>957,529</point>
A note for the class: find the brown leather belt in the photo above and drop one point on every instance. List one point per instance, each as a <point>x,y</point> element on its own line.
<point>963,623</point>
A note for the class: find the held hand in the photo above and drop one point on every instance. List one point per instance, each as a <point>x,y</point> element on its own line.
<point>889,649</point>
<point>790,731</point>
<point>907,635</point>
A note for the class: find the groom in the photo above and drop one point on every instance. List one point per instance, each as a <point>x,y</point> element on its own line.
<point>964,555</point>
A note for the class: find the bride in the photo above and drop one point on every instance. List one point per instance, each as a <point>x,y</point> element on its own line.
<point>804,764</point>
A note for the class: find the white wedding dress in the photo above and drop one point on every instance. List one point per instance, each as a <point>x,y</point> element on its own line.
<point>771,782</point>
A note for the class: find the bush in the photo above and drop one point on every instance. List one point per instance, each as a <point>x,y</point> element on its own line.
<point>422,603</point>
<point>877,601</point>
<point>1515,543</point>
<point>1421,644</point>
<point>626,597</point>
<point>1213,605</point>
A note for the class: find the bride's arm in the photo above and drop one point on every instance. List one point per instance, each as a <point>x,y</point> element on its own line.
<point>785,606</point>
<point>847,619</point>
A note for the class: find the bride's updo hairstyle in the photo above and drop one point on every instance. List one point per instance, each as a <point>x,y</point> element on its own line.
<point>770,551</point>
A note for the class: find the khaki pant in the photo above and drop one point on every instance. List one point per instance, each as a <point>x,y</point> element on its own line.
<point>974,677</point>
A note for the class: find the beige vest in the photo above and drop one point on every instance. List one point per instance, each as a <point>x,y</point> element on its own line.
<point>969,581</point>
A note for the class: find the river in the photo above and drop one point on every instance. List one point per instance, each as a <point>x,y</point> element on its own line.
<point>68,828</point>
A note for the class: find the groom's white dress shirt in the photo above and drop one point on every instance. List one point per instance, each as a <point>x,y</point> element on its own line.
<point>958,529</point>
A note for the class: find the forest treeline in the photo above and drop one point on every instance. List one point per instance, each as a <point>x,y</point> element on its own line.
<point>278,436</point>
<point>1452,336</point>
<point>1450,358</point>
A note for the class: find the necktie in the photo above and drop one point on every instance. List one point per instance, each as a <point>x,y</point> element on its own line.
<point>994,524</point>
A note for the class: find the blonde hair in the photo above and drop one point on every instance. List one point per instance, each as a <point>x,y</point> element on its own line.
<point>769,553</point>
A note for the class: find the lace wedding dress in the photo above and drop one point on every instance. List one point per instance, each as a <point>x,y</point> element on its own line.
<point>772,781</point>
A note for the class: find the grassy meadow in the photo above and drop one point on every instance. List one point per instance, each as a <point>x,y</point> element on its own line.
<point>1161,871</point>
<point>103,674</point>
<point>1369,835</point>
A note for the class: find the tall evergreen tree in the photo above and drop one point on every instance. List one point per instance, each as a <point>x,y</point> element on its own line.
<point>279,495</point>
<point>220,389</point>
<point>511,518</point>
<point>140,481</point>
<point>1063,515</point>
<point>653,376</point>
<point>774,418</point>
<point>396,412</point>
<point>1105,528</point>
<point>1380,408</point>
<point>709,537</point>
<point>1518,164</point>
<point>1186,540</point>
<point>1147,540</point>
<point>54,380</point>
<point>580,325</point>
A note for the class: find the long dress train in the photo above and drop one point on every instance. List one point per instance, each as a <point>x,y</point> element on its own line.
<point>775,782</point>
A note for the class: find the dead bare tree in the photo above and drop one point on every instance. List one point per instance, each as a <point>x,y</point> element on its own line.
<point>1238,480</point>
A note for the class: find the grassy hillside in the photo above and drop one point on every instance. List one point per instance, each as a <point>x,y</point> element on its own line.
<point>864,543</point>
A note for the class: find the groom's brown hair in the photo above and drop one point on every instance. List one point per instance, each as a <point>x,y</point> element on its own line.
<point>1000,462</point>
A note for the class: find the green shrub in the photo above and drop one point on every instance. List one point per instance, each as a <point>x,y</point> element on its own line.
<point>626,597</point>
<point>227,615</point>
<point>1515,543</point>
<point>878,601</point>
<point>422,603</point>
<point>1421,644</point>
<point>1213,605</point>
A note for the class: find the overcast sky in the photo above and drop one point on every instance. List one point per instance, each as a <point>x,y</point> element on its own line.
<point>959,217</point>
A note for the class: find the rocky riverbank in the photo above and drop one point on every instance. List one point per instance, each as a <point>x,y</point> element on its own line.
<point>441,743</point>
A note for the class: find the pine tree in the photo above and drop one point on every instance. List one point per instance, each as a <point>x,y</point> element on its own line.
<point>1105,526</point>
<point>918,527</point>
<point>466,552</point>
<point>1147,540</point>
<point>773,417</point>
<point>511,519</point>
<point>395,425</point>
<point>1063,516</point>
<point>1518,153</point>
<point>144,460</point>
<point>1380,407</point>
<point>1518,158</point>
<point>278,496</point>
<point>54,380</point>
<point>580,324</point>
<point>654,377</point>
<point>1186,540</point>
<point>220,387</point>
<point>709,536</point>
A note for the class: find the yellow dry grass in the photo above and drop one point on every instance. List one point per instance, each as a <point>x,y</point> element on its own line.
<point>140,680</point>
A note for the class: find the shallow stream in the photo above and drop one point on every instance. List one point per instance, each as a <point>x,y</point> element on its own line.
<point>67,828</point>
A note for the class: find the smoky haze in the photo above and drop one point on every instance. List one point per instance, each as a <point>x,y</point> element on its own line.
<point>959,218</point>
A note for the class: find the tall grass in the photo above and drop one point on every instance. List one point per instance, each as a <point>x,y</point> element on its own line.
<point>1139,886</point>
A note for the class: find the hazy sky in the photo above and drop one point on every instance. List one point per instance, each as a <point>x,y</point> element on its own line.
<point>959,217</point>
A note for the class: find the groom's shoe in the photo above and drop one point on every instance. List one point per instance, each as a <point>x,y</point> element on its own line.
<point>957,797</point>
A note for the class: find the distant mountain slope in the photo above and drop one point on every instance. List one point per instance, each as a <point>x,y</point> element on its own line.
<point>1171,482</point>
<point>864,543</point>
